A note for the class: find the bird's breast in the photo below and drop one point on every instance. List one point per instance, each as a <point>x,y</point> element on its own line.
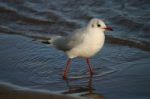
<point>89,47</point>
<point>93,44</point>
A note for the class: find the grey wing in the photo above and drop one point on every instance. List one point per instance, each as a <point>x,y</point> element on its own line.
<point>62,44</point>
<point>69,42</point>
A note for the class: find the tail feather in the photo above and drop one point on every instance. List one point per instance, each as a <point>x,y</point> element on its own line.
<point>50,40</point>
<point>45,41</point>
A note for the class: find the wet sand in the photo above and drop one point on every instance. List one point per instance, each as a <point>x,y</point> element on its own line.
<point>9,91</point>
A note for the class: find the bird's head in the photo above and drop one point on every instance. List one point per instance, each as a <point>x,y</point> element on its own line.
<point>98,24</point>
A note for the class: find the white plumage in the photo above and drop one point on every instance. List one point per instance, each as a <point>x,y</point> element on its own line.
<point>84,42</point>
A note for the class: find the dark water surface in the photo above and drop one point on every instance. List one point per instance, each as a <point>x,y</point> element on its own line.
<point>122,67</point>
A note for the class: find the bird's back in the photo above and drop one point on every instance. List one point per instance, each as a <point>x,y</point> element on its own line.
<point>70,41</point>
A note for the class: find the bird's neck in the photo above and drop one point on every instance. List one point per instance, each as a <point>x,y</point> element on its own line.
<point>96,35</point>
<point>96,32</point>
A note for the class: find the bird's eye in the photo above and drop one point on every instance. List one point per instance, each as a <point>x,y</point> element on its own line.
<point>98,25</point>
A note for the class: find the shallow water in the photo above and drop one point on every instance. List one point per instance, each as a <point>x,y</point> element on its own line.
<point>121,68</point>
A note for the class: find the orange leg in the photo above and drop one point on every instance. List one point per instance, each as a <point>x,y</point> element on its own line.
<point>67,69</point>
<point>90,67</point>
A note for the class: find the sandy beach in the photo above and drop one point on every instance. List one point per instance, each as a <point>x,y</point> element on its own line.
<point>9,91</point>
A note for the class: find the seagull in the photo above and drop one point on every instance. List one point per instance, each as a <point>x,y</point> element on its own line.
<point>84,43</point>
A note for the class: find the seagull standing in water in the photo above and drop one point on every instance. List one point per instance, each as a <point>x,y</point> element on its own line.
<point>84,43</point>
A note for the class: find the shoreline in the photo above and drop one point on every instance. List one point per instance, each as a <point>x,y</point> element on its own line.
<point>27,62</point>
<point>10,91</point>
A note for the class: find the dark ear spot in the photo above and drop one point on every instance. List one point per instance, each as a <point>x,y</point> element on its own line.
<point>92,25</point>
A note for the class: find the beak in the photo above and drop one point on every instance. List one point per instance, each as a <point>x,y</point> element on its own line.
<point>108,28</point>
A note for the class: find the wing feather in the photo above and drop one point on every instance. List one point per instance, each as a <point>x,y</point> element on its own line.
<point>69,42</point>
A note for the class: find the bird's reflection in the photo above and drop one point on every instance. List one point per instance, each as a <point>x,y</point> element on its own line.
<point>82,89</point>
